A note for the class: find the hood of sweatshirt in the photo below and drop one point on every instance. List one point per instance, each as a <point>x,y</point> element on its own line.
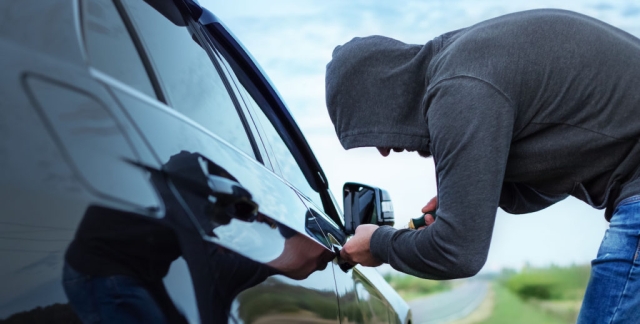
<point>375,91</point>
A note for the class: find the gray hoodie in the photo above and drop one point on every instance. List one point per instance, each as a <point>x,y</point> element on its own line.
<point>518,112</point>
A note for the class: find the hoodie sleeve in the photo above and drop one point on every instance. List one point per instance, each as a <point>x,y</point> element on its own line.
<point>470,124</point>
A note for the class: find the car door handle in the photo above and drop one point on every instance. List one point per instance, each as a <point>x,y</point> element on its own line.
<point>195,174</point>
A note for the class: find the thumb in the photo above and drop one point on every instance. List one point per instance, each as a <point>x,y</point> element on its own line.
<point>345,255</point>
<point>431,205</point>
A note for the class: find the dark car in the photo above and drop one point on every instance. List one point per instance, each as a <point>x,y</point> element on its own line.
<point>127,124</point>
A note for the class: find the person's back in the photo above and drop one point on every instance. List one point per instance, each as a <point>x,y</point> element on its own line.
<point>518,112</point>
<point>573,83</point>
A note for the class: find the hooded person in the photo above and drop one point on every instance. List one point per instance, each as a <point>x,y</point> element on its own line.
<point>518,112</point>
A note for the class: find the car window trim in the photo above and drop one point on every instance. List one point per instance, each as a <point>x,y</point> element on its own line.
<point>196,30</point>
<point>137,42</point>
<point>267,108</point>
<point>248,111</point>
<point>241,61</point>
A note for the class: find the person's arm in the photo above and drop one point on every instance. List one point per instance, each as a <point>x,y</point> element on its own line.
<point>518,198</point>
<point>471,125</point>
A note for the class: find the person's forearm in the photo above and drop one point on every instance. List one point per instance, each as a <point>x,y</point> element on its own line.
<point>415,252</point>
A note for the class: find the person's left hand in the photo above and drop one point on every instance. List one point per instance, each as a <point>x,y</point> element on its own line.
<point>357,250</point>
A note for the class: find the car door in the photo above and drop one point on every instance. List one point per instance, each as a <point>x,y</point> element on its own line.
<point>64,149</point>
<point>359,289</point>
<point>271,269</point>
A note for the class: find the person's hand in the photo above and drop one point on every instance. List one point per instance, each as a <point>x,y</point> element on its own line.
<point>384,151</point>
<point>429,207</point>
<point>357,250</point>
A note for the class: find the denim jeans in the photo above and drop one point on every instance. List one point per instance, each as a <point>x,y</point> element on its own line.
<point>111,299</point>
<point>613,293</point>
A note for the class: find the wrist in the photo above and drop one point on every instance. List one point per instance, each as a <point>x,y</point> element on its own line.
<point>381,243</point>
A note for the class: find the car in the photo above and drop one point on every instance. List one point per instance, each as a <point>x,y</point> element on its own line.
<point>117,113</point>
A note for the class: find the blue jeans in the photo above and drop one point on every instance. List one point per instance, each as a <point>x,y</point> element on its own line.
<point>613,293</point>
<point>112,299</point>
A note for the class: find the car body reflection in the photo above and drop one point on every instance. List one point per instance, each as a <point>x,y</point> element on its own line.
<point>201,199</point>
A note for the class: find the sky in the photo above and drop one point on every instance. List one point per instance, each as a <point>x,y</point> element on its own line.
<point>292,40</point>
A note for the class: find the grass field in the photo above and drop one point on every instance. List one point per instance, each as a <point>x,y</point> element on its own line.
<point>511,309</point>
<point>552,283</point>
<point>539,295</point>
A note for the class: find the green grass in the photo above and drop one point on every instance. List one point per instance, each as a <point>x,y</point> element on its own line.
<point>540,295</point>
<point>553,283</point>
<point>410,287</point>
<point>510,309</point>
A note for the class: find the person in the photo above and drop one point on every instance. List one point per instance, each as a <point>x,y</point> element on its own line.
<point>518,112</point>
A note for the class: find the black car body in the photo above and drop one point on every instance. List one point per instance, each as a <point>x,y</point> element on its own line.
<point>98,96</point>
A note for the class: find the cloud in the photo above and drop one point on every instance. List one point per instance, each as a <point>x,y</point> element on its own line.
<point>631,11</point>
<point>603,6</point>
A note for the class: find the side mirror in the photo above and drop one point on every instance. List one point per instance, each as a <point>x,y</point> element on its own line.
<point>366,205</point>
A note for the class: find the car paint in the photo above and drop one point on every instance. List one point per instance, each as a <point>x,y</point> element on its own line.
<point>69,133</point>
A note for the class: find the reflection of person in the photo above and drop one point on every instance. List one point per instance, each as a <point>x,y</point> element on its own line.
<point>115,265</point>
<point>301,257</point>
<point>518,112</point>
<point>114,268</point>
<point>233,273</point>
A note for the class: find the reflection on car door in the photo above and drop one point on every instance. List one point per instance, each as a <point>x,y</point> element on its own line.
<point>203,117</point>
<point>360,300</point>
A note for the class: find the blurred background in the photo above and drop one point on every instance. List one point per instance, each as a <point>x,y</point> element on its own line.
<point>292,40</point>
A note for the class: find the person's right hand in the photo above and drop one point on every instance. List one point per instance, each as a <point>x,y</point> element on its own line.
<point>430,207</point>
<point>358,249</point>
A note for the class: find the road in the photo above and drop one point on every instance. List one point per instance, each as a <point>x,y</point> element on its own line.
<point>451,305</point>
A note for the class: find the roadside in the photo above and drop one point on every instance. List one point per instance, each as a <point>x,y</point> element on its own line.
<point>455,304</point>
<point>482,312</point>
<point>531,295</point>
<point>410,288</point>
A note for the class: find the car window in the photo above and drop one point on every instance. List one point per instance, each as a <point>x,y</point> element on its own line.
<point>229,74</point>
<point>283,160</point>
<point>187,75</point>
<point>283,157</point>
<point>109,45</point>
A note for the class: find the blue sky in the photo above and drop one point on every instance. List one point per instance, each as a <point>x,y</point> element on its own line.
<point>293,40</point>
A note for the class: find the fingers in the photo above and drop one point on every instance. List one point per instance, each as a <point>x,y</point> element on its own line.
<point>384,151</point>
<point>428,219</point>
<point>346,256</point>
<point>431,205</point>
<point>357,249</point>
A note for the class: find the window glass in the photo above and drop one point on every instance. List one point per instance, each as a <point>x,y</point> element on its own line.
<point>283,158</point>
<point>230,75</point>
<point>233,81</point>
<point>109,45</point>
<point>189,78</point>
